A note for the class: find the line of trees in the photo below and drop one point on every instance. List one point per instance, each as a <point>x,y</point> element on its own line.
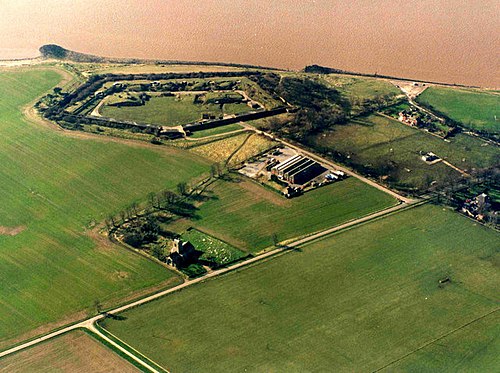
<point>165,200</point>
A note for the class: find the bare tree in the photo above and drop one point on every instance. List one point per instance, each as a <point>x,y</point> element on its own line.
<point>152,200</point>
<point>108,224</point>
<point>123,216</point>
<point>214,170</point>
<point>182,188</point>
<point>135,208</point>
<point>275,239</point>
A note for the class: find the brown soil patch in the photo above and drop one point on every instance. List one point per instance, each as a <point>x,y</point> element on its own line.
<point>11,231</point>
<point>409,88</point>
<point>72,352</point>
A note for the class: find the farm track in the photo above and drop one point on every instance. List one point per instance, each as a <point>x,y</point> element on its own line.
<point>226,162</point>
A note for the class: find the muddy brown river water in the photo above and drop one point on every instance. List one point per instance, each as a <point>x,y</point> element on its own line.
<point>455,41</point>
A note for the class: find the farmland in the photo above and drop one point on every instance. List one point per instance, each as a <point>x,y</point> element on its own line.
<point>246,215</point>
<point>220,150</point>
<point>386,147</point>
<point>357,301</point>
<point>477,110</point>
<point>474,348</point>
<point>55,190</point>
<point>385,294</point>
<point>72,352</point>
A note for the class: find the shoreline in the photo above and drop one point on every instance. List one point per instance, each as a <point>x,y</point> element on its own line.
<point>27,61</point>
<point>13,62</point>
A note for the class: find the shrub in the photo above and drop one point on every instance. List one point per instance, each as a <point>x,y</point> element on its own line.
<point>194,270</point>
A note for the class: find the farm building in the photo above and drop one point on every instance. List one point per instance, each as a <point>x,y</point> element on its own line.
<point>279,168</point>
<point>298,170</point>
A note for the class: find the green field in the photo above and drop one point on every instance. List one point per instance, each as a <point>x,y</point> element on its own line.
<point>55,189</point>
<point>167,111</point>
<point>214,250</point>
<point>246,215</point>
<point>216,131</point>
<point>170,110</point>
<point>392,149</point>
<point>473,109</point>
<point>475,348</point>
<point>357,88</point>
<point>355,301</point>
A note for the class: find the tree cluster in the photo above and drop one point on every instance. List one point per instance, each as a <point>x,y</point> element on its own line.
<point>141,231</point>
<point>320,107</point>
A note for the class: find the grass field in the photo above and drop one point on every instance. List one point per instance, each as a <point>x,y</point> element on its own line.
<point>355,301</point>
<point>475,348</point>
<point>169,111</point>
<point>356,88</point>
<point>213,249</point>
<point>70,353</point>
<point>392,148</point>
<point>216,131</point>
<point>246,215</point>
<point>55,189</point>
<point>474,109</point>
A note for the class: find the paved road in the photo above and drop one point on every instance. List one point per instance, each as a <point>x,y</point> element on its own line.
<point>90,323</point>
